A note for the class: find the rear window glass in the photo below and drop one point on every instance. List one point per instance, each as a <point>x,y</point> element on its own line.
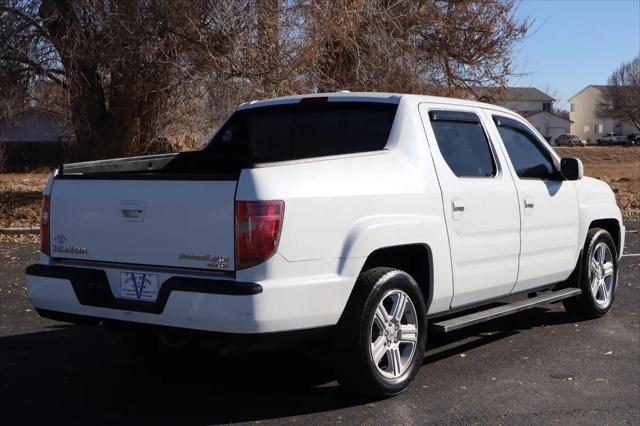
<point>288,132</point>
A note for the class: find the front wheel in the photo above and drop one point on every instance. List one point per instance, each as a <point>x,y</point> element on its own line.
<point>382,334</point>
<point>598,276</point>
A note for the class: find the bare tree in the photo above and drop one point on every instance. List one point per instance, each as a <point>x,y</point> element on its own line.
<point>136,73</point>
<point>411,46</point>
<point>621,98</point>
<point>114,59</point>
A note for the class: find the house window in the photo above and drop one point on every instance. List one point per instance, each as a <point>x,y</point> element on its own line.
<point>586,129</point>
<point>573,107</point>
<point>546,106</point>
<point>598,128</point>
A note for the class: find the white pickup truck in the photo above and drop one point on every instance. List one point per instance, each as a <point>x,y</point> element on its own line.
<point>361,218</point>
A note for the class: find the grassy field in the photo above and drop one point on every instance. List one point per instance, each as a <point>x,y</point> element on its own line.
<point>618,166</point>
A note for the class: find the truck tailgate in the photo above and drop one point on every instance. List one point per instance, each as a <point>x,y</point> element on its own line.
<point>175,223</point>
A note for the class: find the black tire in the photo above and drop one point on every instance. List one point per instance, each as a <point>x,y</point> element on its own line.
<point>585,305</point>
<point>570,143</point>
<point>353,361</point>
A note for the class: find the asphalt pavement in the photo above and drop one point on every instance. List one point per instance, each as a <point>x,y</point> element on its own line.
<point>536,367</point>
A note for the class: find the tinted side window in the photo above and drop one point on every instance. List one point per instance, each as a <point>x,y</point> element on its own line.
<point>529,159</point>
<point>463,144</point>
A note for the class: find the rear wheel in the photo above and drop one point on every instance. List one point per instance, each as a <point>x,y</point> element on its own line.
<point>382,334</point>
<point>598,276</point>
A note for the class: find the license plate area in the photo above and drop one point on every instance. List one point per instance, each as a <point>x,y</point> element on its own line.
<point>138,286</point>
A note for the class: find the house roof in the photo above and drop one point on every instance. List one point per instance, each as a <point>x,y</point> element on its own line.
<point>599,87</point>
<point>34,125</point>
<point>532,113</point>
<point>514,94</point>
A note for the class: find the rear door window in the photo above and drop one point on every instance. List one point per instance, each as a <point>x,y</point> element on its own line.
<point>463,143</point>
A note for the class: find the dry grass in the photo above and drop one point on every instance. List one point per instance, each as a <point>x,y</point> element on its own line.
<point>19,238</point>
<point>618,166</point>
<point>20,198</point>
<point>20,194</point>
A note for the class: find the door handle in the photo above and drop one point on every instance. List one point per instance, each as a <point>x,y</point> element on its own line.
<point>458,206</point>
<point>529,203</point>
<point>457,209</point>
<point>132,211</point>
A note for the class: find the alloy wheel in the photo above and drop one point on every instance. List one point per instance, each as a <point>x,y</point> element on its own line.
<point>602,275</point>
<point>394,334</point>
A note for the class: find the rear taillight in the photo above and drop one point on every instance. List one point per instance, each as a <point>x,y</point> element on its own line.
<point>258,225</point>
<point>44,225</point>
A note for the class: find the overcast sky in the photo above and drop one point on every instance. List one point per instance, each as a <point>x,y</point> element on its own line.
<point>574,43</point>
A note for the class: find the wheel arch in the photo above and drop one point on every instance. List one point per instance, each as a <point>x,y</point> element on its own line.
<point>414,259</point>
<point>414,243</point>
<point>612,226</point>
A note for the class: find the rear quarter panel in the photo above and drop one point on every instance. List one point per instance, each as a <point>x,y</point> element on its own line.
<point>346,208</point>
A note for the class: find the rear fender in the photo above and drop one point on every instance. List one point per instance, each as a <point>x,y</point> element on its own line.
<point>376,232</point>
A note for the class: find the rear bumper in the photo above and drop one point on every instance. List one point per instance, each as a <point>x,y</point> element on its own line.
<point>194,303</point>
<point>92,288</point>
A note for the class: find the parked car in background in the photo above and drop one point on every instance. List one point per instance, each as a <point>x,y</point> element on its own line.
<point>570,140</point>
<point>612,139</point>
<point>634,139</point>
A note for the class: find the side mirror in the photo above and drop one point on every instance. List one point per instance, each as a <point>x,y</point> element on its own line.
<point>571,168</point>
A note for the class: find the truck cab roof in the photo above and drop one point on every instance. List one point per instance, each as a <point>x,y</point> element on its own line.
<point>377,97</point>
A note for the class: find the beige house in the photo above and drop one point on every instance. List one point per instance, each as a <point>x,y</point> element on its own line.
<point>532,104</point>
<point>585,121</point>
